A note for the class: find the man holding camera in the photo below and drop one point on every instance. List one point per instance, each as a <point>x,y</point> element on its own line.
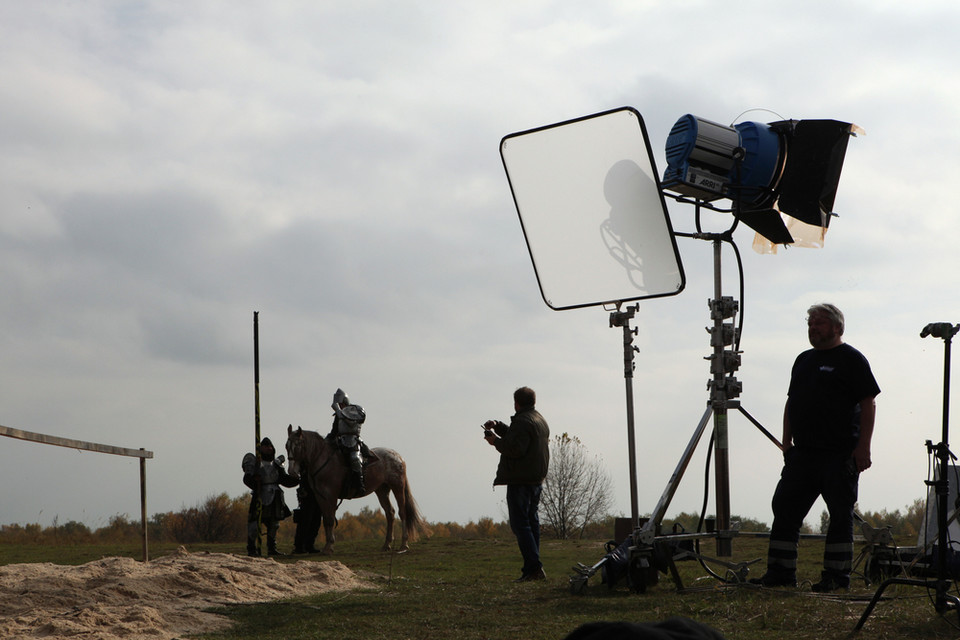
<point>524,448</point>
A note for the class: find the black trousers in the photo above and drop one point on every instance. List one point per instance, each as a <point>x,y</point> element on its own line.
<point>807,475</point>
<point>308,520</point>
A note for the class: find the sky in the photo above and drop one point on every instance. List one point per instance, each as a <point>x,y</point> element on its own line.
<point>170,168</point>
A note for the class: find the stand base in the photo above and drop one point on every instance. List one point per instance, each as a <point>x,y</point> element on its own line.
<point>942,603</point>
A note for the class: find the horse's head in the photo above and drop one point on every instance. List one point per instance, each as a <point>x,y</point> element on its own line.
<point>294,450</point>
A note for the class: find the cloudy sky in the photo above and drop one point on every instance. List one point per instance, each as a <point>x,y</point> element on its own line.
<point>168,168</point>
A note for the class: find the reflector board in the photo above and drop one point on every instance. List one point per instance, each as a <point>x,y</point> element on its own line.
<point>596,224</point>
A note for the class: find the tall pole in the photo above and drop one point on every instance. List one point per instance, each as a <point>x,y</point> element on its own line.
<point>622,319</point>
<point>943,482</point>
<point>256,402</point>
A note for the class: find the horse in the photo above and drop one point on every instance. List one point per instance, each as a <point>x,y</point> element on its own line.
<point>322,466</point>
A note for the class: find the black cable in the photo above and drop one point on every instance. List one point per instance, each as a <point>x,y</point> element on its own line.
<point>956,503</point>
<point>703,510</point>
<point>706,488</point>
<point>736,253</point>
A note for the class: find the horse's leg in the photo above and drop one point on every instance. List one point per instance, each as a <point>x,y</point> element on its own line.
<point>329,515</point>
<point>397,485</point>
<point>383,495</point>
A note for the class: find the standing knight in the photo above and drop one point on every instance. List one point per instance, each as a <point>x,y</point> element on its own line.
<point>265,481</point>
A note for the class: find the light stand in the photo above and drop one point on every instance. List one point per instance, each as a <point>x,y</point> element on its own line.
<point>643,558</point>
<point>943,601</point>
<point>622,319</point>
<point>724,388</point>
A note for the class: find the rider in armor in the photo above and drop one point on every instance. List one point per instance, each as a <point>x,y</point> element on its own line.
<point>265,482</point>
<point>346,433</point>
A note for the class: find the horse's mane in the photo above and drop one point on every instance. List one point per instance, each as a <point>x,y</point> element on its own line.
<point>314,445</point>
<point>312,436</point>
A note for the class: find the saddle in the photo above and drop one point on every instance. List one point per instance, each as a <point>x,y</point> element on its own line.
<point>366,455</point>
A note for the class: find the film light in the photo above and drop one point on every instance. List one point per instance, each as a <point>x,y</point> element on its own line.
<point>782,177</point>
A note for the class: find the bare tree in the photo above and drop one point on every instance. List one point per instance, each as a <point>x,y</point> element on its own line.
<point>577,491</point>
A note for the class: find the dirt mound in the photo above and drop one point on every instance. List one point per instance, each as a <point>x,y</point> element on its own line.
<point>162,599</point>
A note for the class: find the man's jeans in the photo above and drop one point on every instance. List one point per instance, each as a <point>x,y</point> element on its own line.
<point>523,501</point>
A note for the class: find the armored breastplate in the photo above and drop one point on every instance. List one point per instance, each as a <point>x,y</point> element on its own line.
<point>350,418</point>
<point>269,479</point>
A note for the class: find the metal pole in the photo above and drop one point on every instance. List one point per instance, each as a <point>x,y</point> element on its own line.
<point>945,437</point>
<point>943,486</point>
<point>719,400</point>
<point>631,436</point>
<point>622,319</point>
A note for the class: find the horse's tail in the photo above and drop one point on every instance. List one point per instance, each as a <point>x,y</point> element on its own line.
<point>413,522</point>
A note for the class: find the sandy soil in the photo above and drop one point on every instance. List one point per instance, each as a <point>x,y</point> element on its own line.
<point>161,599</point>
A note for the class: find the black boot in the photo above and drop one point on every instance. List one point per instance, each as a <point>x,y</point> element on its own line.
<point>253,549</point>
<point>253,539</point>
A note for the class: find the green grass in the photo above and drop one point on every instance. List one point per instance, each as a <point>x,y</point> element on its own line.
<point>445,588</point>
<point>450,588</point>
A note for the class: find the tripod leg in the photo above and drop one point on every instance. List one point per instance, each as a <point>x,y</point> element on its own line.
<point>657,517</point>
<point>873,603</point>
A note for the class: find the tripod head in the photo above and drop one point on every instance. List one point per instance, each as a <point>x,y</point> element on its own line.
<point>943,330</point>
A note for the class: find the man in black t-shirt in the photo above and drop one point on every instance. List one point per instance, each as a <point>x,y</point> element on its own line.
<point>827,428</point>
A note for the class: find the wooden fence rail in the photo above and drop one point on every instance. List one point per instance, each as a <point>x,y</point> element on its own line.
<point>143,454</point>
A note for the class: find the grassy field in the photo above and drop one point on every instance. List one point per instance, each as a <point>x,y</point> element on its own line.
<point>451,588</point>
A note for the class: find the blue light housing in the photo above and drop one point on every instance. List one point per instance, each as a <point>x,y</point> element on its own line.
<point>709,161</point>
<point>790,167</point>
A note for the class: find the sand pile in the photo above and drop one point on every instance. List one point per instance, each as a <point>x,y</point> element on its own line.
<point>124,598</point>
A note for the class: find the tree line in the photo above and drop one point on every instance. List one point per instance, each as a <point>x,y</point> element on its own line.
<point>222,519</point>
<point>576,503</point>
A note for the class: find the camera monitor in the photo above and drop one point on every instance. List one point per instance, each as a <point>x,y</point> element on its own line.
<point>596,224</point>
